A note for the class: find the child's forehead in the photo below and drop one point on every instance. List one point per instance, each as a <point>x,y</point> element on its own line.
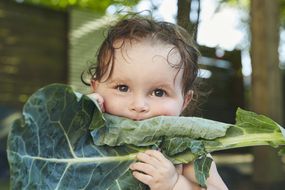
<point>155,61</point>
<point>146,41</point>
<point>137,53</point>
<point>148,46</point>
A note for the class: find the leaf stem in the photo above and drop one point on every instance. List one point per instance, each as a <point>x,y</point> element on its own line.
<point>245,140</point>
<point>96,159</point>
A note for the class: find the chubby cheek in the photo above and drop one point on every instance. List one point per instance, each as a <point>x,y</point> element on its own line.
<point>168,109</point>
<point>114,106</point>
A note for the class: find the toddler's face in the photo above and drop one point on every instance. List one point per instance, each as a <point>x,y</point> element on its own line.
<point>143,83</point>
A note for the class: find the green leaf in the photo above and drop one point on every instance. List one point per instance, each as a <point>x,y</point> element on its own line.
<point>120,130</point>
<point>250,129</point>
<point>63,141</point>
<point>202,167</point>
<point>50,147</point>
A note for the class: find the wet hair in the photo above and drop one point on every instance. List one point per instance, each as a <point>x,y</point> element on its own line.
<point>140,28</point>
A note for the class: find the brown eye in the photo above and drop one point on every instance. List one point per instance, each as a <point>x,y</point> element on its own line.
<point>159,93</point>
<point>122,88</point>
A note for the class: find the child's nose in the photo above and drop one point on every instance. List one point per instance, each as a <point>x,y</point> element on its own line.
<point>139,105</point>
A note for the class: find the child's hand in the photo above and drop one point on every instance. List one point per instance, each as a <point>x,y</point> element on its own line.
<point>214,182</point>
<point>95,97</point>
<point>155,170</point>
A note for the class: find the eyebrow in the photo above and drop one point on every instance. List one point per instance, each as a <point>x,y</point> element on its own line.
<point>165,86</point>
<point>117,80</point>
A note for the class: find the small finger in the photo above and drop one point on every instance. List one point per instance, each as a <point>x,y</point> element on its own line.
<point>97,99</point>
<point>156,154</point>
<point>143,157</point>
<point>146,179</point>
<point>143,167</point>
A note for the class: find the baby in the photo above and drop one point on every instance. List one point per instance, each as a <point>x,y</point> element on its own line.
<point>146,69</point>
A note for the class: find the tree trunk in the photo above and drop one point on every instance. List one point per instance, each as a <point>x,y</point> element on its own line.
<point>266,84</point>
<point>183,13</point>
<point>183,17</point>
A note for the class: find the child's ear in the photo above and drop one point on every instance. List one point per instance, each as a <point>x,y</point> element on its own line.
<point>94,84</point>
<point>187,98</point>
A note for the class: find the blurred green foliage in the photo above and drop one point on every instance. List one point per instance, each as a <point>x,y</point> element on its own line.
<point>95,5</point>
